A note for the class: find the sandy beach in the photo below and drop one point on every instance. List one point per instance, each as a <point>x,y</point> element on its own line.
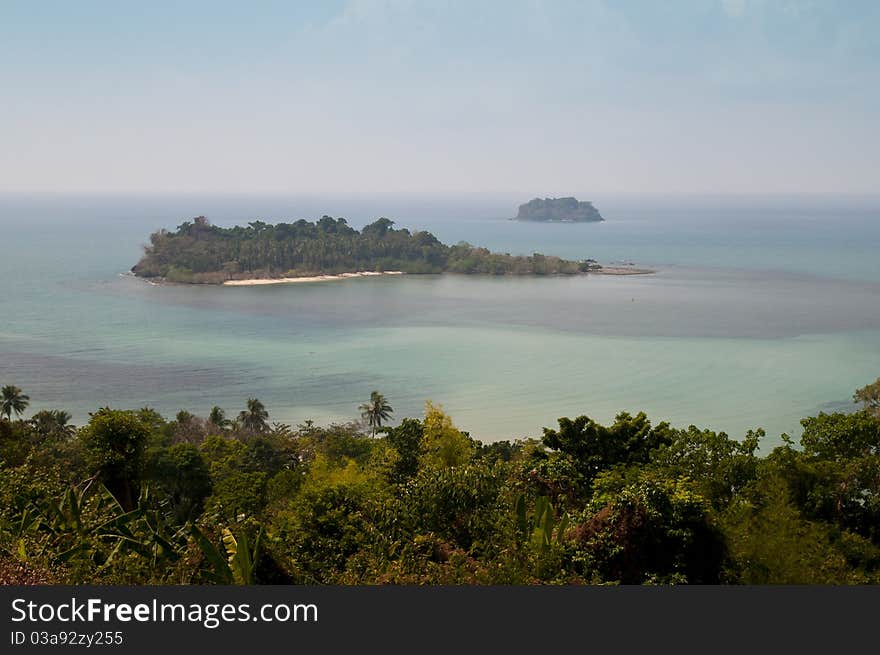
<point>312,278</point>
<point>623,270</point>
<point>605,270</point>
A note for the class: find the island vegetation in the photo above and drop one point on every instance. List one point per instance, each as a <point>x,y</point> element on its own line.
<point>133,497</point>
<point>199,252</point>
<point>559,210</point>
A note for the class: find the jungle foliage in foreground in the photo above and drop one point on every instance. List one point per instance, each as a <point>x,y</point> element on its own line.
<point>198,252</point>
<point>134,498</point>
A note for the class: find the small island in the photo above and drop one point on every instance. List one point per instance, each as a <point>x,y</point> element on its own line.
<point>328,249</point>
<point>559,210</point>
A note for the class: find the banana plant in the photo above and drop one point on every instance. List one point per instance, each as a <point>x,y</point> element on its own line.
<point>92,524</point>
<point>237,565</point>
<point>241,557</point>
<point>539,527</point>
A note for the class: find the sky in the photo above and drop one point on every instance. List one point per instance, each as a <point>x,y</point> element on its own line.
<point>373,96</point>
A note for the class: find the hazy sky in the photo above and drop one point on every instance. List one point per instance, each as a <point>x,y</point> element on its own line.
<point>541,97</point>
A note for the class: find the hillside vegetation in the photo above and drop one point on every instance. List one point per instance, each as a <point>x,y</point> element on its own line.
<point>133,497</point>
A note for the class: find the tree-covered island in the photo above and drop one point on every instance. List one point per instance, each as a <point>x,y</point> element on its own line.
<point>201,253</point>
<point>559,210</point>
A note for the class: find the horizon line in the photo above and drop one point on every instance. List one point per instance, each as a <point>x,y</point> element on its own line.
<point>279,193</point>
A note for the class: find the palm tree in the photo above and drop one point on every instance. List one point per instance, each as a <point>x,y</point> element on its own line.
<point>255,418</point>
<point>217,418</point>
<point>12,400</point>
<point>53,423</point>
<point>376,411</point>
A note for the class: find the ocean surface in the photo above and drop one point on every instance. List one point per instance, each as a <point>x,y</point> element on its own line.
<point>762,311</point>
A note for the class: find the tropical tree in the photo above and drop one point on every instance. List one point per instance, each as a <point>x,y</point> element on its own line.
<point>443,445</point>
<point>869,396</point>
<point>182,473</point>
<point>652,529</point>
<point>53,423</point>
<point>593,447</point>
<point>376,411</point>
<point>12,400</point>
<point>187,427</point>
<point>217,418</point>
<point>406,439</point>
<point>254,418</point>
<point>114,442</point>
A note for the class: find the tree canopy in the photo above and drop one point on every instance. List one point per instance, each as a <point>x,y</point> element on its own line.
<point>12,401</point>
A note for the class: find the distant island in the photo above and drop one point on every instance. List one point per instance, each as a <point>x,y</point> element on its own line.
<point>559,210</point>
<point>261,253</point>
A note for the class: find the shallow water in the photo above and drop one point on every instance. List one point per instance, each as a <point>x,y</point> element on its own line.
<point>761,312</point>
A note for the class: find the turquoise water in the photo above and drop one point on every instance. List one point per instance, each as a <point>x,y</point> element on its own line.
<point>762,311</point>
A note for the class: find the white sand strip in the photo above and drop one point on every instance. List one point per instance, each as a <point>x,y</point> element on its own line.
<point>313,278</point>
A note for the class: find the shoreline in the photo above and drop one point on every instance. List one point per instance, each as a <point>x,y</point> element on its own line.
<point>623,270</point>
<point>262,281</point>
<point>252,282</point>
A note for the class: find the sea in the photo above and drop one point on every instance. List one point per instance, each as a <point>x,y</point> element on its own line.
<point>763,310</point>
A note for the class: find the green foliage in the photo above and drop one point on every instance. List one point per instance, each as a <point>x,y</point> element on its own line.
<point>12,401</point>
<point>16,442</point>
<point>376,410</point>
<point>217,569</point>
<point>406,439</point>
<point>539,527</point>
<point>772,543</point>
<point>135,498</point>
<point>836,478</point>
<point>217,419</point>
<point>263,453</point>
<point>652,530</point>
<point>237,495</point>
<point>839,437</point>
<point>114,442</point>
<point>182,473</point>
<point>460,504</point>
<point>719,466</point>
<point>236,563</point>
<point>52,425</point>
<point>337,442</point>
<point>90,534</point>
<point>325,527</point>
<point>593,447</point>
<point>443,444</point>
<point>544,472</point>
<point>869,396</point>
<point>242,557</point>
<point>500,451</point>
<point>284,485</point>
<point>254,419</point>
